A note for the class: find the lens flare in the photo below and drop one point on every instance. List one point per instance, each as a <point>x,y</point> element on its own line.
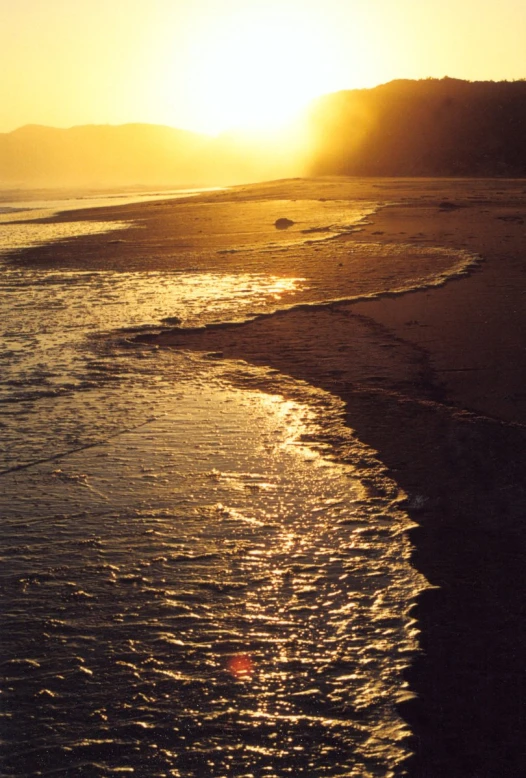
<point>241,667</point>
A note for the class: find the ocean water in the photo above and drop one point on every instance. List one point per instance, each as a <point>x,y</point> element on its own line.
<point>203,572</point>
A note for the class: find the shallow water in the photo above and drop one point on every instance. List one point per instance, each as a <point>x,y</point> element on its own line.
<point>203,595</point>
<point>192,584</point>
<point>38,204</point>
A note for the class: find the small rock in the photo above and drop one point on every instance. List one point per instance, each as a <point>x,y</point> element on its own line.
<point>283,223</point>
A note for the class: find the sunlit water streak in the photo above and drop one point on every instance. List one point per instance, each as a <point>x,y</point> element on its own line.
<point>34,205</point>
<point>188,588</point>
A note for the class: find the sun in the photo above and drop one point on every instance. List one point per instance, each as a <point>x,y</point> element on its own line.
<point>258,67</point>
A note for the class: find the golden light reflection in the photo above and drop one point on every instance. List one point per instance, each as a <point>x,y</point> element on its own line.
<point>25,235</point>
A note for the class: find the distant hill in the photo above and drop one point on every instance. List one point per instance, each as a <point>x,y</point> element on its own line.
<point>105,155</point>
<point>98,155</point>
<point>433,127</point>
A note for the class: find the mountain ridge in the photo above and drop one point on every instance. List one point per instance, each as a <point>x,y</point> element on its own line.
<point>436,127</point>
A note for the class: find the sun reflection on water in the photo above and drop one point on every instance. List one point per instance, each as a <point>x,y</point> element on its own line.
<point>224,578</point>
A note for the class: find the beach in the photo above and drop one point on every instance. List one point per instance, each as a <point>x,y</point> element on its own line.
<point>449,424</point>
<point>412,314</point>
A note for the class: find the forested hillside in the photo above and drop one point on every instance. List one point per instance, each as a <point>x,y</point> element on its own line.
<point>432,127</point>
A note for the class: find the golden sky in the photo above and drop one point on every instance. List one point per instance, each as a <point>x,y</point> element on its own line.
<point>209,65</point>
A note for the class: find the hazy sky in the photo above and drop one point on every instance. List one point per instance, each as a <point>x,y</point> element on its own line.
<point>210,64</point>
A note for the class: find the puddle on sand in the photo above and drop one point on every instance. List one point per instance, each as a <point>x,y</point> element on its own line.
<point>204,594</point>
<point>26,235</point>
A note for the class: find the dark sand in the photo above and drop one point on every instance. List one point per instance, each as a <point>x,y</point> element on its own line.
<point>435,382</point>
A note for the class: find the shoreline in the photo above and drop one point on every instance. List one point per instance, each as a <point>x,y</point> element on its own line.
<point>433,381</point>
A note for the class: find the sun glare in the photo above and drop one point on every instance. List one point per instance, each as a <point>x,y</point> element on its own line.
<point>258,68</point>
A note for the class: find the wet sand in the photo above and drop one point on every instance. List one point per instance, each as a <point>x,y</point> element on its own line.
<point>434,382</point>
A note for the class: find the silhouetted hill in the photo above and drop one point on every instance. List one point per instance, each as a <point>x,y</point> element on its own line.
<point>444,127</point>
<point>127,154</point>
<point>95,155</point>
